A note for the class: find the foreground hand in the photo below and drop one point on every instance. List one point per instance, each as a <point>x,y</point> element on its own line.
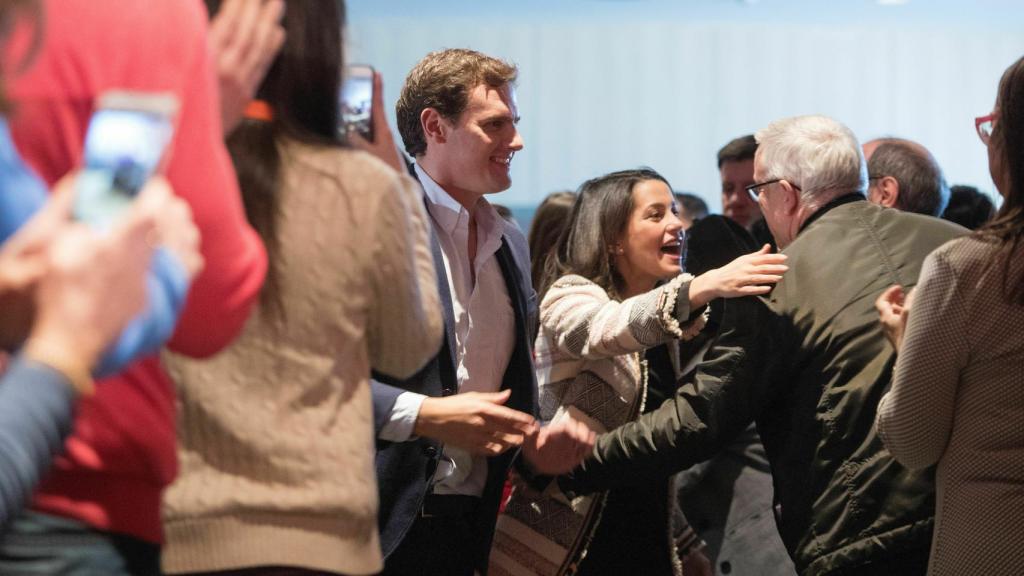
<point>893,312</point>
<point>558,448</point>
<point>697,564</point>
<point>748,275</point>
<point>175,229</point>
<point>383,145</point>
<point>93,285</point>
<point>476,422</point>
<point>24,260</point>
<point>245,37</point>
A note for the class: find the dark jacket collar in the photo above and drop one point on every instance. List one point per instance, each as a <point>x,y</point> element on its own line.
<point>836,202</point>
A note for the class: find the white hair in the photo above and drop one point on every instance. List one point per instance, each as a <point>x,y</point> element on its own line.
<point>816,153</point>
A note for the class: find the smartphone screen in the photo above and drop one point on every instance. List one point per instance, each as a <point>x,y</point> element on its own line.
<point>356,100</point>
<point>124,145</point>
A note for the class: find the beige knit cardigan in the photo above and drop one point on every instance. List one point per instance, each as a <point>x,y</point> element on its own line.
<point>275,433</point>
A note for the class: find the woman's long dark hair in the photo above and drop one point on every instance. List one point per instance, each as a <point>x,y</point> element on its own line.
<point>598,219</point>
<point>301,87</point>
<point>1007,227</point>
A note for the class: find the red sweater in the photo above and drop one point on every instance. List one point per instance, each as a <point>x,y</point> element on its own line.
<point>122,453</point>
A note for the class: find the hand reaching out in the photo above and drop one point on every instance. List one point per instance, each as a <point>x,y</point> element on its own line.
<point>748,275</point>
<point>558,448</point>
<point>476,422</point>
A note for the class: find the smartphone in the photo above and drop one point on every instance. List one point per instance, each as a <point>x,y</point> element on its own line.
<point>356,101</point>
<point>125,145</point>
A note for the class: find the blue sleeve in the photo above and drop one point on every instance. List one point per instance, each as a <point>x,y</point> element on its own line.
<point>22,194</point>
<point>384,397</point>
<point>166,288</point>
<point>36,414</point>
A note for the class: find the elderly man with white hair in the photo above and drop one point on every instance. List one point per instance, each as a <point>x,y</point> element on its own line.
<point>808,364</point>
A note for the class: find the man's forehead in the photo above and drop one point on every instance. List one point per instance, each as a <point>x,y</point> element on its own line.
<point>485,96</point>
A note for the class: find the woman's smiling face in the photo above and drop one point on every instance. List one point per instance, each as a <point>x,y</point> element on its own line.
<point>650,247</point>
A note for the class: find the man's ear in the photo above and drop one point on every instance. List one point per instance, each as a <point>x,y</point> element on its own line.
<point>435,127</point>
<point>887,192</point>
<point>790,198</point>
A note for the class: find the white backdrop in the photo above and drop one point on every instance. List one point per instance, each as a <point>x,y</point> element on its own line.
<point>598,94</point>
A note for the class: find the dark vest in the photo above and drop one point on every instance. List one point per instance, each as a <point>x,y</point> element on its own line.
<point>404,470</point>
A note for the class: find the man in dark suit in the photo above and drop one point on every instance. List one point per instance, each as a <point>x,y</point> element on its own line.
<point>446,436</point>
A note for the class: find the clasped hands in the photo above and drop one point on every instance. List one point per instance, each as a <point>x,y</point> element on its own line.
<point>481,424</point>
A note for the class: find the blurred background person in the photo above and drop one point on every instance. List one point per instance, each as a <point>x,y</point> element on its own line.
<point>968,207</point>
<point>351,286</point>
<point>736,169</point>
<point>903,174</point>
<point>103,496</point>
<point>691,208</point>
<point>551,218</point>
<point>957,397</point>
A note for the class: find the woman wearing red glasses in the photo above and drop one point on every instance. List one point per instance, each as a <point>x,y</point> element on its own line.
<point>957,397</point>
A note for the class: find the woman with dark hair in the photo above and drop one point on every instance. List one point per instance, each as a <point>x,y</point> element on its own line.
<point>551,218</point>
<point>276,432</point>
<point>612,296</point>
<point>957,396</point>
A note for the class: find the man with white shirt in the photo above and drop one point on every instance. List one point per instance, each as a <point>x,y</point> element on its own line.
<point>445,435</point>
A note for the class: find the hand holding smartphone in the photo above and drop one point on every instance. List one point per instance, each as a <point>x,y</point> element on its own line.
<point>125,144</point>
<point>356,101</point>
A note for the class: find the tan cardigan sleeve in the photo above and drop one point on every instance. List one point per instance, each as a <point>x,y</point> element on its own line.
<point>585,323</point>
<point>405,325</point>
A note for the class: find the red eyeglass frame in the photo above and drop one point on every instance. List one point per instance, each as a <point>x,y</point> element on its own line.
<point>981,120</point>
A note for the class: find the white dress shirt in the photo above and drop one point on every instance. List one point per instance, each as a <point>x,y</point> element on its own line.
<point>484,326</point>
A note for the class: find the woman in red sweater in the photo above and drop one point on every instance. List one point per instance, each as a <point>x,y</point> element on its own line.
<point>99,509</point>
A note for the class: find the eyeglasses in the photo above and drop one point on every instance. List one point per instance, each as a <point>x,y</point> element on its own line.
<point>755,189</point>
<point>984,125</point>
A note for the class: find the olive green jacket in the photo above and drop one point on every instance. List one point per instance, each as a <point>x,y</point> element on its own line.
<point>808,363</point>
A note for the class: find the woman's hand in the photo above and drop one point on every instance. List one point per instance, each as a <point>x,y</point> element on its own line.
<point>383,145</point>
<point>245,37</point>
<point>175,229</point>
<point>893,311</point>
<point>748,275</point>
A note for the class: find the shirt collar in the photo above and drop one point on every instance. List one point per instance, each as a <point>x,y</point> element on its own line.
<point>447,212</point>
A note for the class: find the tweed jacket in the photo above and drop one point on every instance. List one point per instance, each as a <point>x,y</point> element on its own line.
<point>589,365</point>
<point>808,363</point>
<point>957,399</point>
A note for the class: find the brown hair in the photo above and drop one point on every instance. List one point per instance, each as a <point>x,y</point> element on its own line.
<point>738,150</point>
<point>599,218</point>
<point>551,218</point>
<point>302,87</point>
<point>443,80</point>
<point>1008,137</point>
